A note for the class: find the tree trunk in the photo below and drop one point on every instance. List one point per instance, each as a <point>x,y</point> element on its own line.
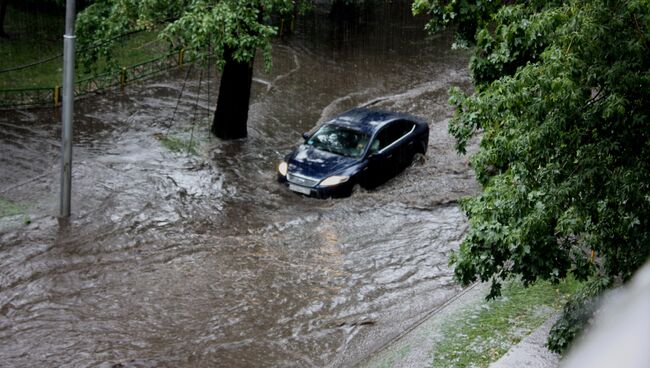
<point>3,13</point>
<point>343,11</point>
<point>231,113</point>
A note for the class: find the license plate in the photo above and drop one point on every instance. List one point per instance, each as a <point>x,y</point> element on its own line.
<point>299,189</point>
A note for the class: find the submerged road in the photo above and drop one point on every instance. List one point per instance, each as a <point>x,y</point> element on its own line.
<point>174,259</point>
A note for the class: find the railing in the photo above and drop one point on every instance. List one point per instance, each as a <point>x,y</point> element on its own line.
<point>32,97</point>
<point>26,97</point>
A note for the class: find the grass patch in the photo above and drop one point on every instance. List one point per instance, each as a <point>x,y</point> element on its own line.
<point>34,36</point>
<point>8,208</point>
<point>483,333</point>
<point>131,50</point>
<point>12,211</point>
<point>178,144</point>
<point>44,39</point>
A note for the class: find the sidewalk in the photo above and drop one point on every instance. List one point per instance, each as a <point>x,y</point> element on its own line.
<point>531,351</point>
<point>415,348</point>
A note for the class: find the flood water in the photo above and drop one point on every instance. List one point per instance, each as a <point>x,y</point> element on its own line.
<point>174,259</point>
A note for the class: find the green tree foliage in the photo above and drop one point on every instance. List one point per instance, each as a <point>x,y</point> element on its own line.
<point>231,30</point>
<point>467,16</point>
<point>563,104</point>
<point>197,25</point>
<point>576,315</point>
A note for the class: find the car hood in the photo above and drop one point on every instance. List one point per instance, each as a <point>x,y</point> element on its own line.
<point>308,161</point>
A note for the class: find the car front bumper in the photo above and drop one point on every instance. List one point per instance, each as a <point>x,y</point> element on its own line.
<point>334,191</point>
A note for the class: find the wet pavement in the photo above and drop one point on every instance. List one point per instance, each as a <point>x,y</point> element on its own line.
<point>532,351</point>
<point>416,346</point>
<point>173,259</point>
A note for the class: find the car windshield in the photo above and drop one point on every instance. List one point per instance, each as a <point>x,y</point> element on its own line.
<point>339,140</point>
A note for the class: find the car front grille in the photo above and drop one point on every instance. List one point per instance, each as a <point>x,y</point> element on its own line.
<point>302,180</point>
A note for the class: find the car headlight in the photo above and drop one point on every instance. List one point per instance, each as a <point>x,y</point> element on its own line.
<point>334,180</point>
<point>283,168</point>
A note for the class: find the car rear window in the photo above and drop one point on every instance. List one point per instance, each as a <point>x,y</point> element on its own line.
<point>390,134</point>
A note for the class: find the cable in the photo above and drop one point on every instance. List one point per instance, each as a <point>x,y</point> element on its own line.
<point>171,121</point>
<point>196,106</point>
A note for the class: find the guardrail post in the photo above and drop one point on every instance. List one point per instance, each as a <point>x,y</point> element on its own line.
<point>123,78</point>
<point>181,57</point>
<point>57,96</point>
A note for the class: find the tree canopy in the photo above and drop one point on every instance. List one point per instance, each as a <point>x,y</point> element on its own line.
<point>562,103</point>
<point>200,26</point>
<point>231,31</point>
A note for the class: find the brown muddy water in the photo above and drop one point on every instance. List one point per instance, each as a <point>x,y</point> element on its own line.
<point>174,259</point>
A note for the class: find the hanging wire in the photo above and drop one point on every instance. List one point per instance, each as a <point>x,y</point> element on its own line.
<point>178,100</point>
<point>196,107</point>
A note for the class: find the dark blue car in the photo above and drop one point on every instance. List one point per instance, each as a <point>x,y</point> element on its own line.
<point>359,147</point>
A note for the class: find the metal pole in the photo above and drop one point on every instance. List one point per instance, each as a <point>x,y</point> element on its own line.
<point>67,110</point>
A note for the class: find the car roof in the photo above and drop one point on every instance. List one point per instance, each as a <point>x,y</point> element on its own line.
<point>370,121</point>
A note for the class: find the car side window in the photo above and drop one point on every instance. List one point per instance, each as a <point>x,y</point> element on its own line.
<point>390,134</point>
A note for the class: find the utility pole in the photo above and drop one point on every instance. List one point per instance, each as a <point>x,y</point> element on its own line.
<point>67,110</point>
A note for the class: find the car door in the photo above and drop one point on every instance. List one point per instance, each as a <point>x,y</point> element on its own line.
<point>387,151</point>
<point>405,146</point>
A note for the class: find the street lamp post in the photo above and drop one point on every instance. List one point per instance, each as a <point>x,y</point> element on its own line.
<point>67,108</point>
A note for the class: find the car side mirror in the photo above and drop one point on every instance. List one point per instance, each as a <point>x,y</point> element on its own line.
<point>305,135</point>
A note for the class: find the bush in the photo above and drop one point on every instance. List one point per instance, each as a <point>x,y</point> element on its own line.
<point>576,315</point>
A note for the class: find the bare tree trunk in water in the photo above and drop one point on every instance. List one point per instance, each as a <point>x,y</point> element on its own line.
<point>343,11</point>
<point>3,13</point>
<point>231,113</point>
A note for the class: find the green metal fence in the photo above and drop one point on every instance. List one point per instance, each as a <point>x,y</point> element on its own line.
<point>32,97</point>
<point>25,97</point>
